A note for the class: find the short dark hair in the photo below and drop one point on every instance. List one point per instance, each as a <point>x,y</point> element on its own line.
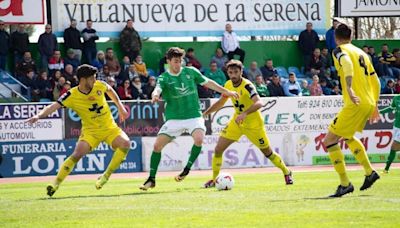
<point>234,63</point>
<point>190,50</point>
<point>89,20</point>
<point>175,52</point>
<point>85,71</point>
<point>343,32</point>
<point>109,49</point>
<point>365,46</point>
<point>396,50</point>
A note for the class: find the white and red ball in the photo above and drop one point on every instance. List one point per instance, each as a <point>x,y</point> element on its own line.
<point>224,181</point>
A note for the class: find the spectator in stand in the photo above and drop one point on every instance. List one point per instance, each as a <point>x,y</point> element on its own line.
<point>336,90</point>
<point>215,74</point>
<point>326,58</point>
<point>325,89</point>
<point>315,87</point>
<point>59,85</point>
<point>29,81</point>
<point>385,59</point>
<point>204,92</point>
<point>44,86</point>
<point>72,40</point>
<point>26,64</point>
<point>129,74</point>
<point>275,88</point>
<point>141,69</point>
<point>89,41</point>
<point>308,41</point>
<point>395,65</point>
<point>374,57</point>
<point>268,70</point>
<point>220,59</point>
<point>124,91</point>
<point>191,58</point>
<point>138,90</point>
<point>111,81</point>
<point>253,71</point>
<point>47,45</point>
<point>150,86</point>
<point>104,74</point>
<point>230,44</point>
<point>5,44</point>
<point>19,43</point>
<point>389,88</point>
<point>66,87</point>
<point>365,48</point>
<point>100,61</point>
<point>70,75</point>
<point>72,59</point>
<point>55,77</point>
<point>56,62</point>
<point>130,41</point>
<point>330,36</point>
<point>126,62</point>
<point>316,65</point>
<point>292,87</point>
<point>112,62</point>
<point>305,91</point>
<point>261,88</point>
<point>162,65</point>
<point>397,87</point>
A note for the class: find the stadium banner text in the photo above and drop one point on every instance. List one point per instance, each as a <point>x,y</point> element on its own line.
<point>19,11</point>
<point>41,158</point>
<point>172,18</point>
<point>360,8</point>
<point>13,125</point>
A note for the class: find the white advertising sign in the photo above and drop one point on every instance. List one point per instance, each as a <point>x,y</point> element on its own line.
<point>19,11</point>
<point>368,8</point>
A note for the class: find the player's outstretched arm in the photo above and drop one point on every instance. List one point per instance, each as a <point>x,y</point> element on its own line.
<point>45,112</point>
<point>254,107</point>
<point>214,86</point>
<point>216,106</point>
<point>123,114</point>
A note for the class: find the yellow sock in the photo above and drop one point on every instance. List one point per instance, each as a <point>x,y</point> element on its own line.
<point>118,157</point>
<point>65,169</point>
<point>337,159</point>
<point>277,161</point>
<point>216,165</point>
<point>358,150</point>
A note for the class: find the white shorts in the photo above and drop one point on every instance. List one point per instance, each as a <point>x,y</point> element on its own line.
<point>174,128</point>
<point>396,134</point>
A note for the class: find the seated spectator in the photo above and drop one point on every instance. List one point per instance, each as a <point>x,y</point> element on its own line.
<point>59,85</point>
<point>204,92</point>
<point>138,91</point>
<point>253,71</point>
<point>365,48</point>
<point>325,89</point>
<point>385,59</point>
<point>304,88</point>
<point>268,70</point>
<point>126,62</point>
<point>215,74</point>
<point>124,91</point>
<point>56,62</point>
<point>389,88</point>
<point>315,87</point>
<point>141,69</point>
<point>44,85</point>
<point>29,81</point>
<point>54,78</point>
<point>397,87</point>
<point>25,65</point>
<point>162,65</point>
<point>374,57</point>
<point>112,62</point>
<point>191,58</point>
<point>66,87</point>
<point>220,59</point>
<point>395,65</point>
<point>104,74</point>
<point>261,88</point>
<point>70,76</point>
<point>275,88</point>
<point>316,65</point>
<point>128,74</point>
<point>292,87</point>
<point>150,86</point>
<point>336,90</point>
<point>111,82</point>
<point>326,58</point>
<point>72,59</point>
<point>100,61</point>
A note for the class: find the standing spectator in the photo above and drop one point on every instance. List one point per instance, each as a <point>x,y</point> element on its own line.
<point>330,36</point>
<point>304,88</point>
<point>215,74</point>
<point>72,40</point>
<point>89,45</point>
<point>191,59</point>
<point>112,62</point>
<point>126,62</point>
<point>47,44</point>
<point>130,41</point>
<point>71,59</point>
<point>374,57</point>
<point>389,88</point>
<point>395,65</point>
<point>365,48</point>
<point>253,71</point>
<point>58,87</point>
<point>230,44</point>
<point>292,87</point>
<point>315,87</point>
<point>99,61</point>
<point>26,64</point>
<point>44,86</point>
<point>261,88</point>
<point>141,69</point>
<point>124,91</point>
<point>275,88</point>
<point>19,43</point>
<point>316,65</point>
<point>56,62</point>
<point>308,41</point>
<point>4,46</point>
<point>137,89</point>
<point>220,59</point>
<point>268,70</point>
<point>151,85</point>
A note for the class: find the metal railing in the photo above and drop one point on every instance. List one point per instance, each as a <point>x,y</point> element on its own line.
<point>23,97</point>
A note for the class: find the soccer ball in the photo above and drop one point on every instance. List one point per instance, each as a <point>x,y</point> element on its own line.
<point>224,181</point>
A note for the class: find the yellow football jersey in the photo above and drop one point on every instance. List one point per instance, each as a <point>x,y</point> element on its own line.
<point>92,107</point>
<point>352,61</point>
<point>246,91</point>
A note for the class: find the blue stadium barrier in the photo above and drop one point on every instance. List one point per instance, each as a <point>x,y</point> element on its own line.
<point>296,71</point>
<point>282,72</point>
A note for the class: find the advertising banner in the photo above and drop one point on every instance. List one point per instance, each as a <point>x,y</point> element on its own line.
<point>360,8</point>
<point>19,11</point>
<point>167,18</point>
<point>41,158</point>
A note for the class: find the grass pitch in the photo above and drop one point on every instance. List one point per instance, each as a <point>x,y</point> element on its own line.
<point>257,200</point>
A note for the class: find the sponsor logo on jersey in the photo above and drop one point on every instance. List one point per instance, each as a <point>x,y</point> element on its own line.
<point>91,98</point>
<point>99,92</point>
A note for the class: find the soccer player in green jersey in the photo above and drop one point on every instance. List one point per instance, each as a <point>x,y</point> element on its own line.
<point>395,106</point>
<point>178,86</point>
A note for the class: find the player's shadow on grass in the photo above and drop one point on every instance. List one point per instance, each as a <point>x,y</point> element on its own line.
<point>328,198</point>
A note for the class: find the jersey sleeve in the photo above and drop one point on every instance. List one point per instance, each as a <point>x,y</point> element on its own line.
<point>252,91</point>
<point>103,86</point>
<point>199,78</point>
<point>160,82</point>
<point>65,100</point>
<point>347,65</point>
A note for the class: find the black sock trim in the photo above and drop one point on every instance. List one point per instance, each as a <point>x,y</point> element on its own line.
<point>331,145</point>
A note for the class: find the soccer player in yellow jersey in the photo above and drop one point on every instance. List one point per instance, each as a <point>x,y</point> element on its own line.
<point>360,88</point>
<point>247,120</point>
<point>88,101</point>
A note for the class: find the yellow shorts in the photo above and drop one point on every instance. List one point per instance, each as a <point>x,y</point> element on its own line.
<point>258,136</point>
<point>94,137</point>
<point>351,119</point>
